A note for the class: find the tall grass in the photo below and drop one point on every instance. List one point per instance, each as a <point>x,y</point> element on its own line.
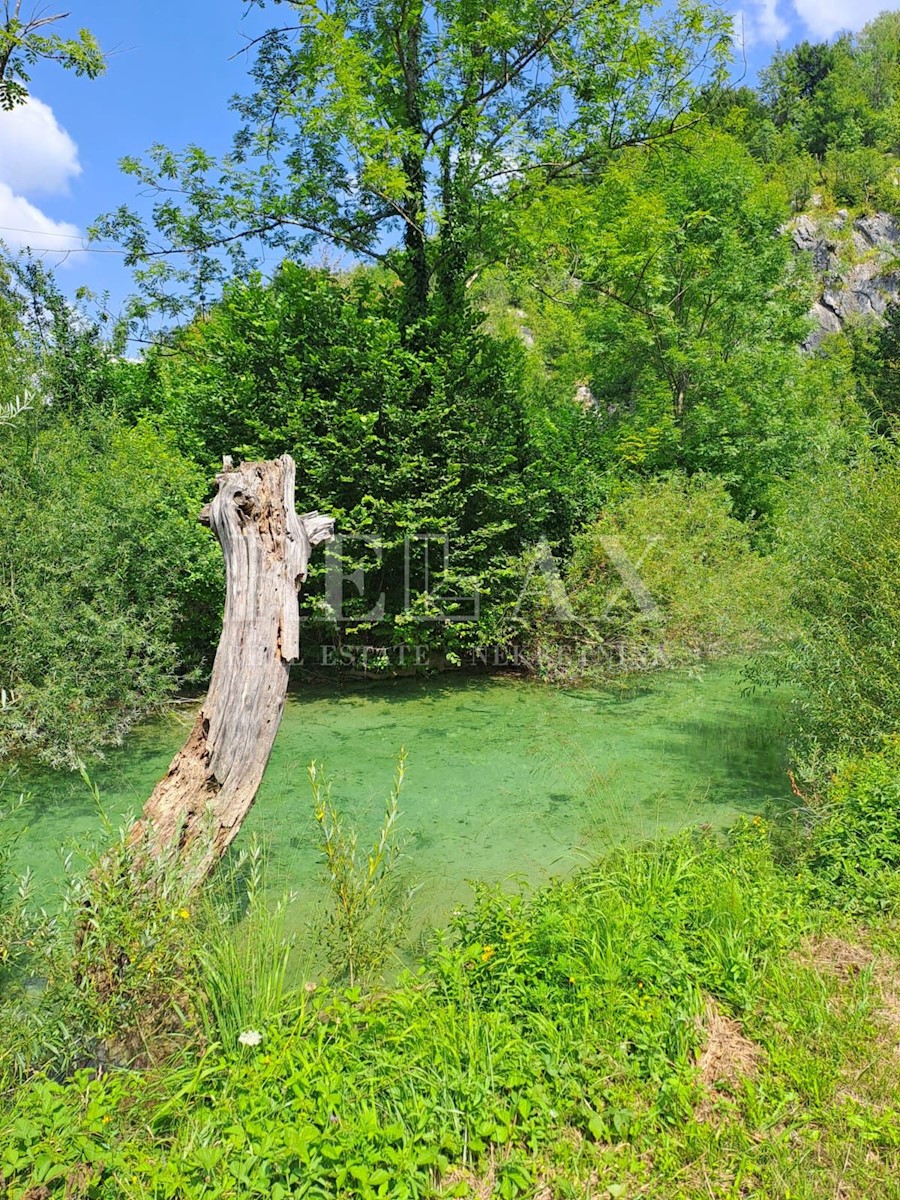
<point>244,954</point>
<point>370,899</point>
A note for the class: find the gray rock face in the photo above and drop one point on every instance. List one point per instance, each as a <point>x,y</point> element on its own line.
<point>859,267</point>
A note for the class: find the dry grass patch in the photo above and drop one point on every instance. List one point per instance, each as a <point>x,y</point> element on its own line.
<point>846,960</point>
<point>833,956</point>
<point>727,1057</point>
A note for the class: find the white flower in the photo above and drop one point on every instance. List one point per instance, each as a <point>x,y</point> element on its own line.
<point>250,1037</point>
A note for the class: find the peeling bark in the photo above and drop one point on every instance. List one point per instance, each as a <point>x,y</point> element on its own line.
<point>196,810</point>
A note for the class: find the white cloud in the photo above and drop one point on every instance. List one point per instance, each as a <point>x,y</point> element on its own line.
<point>36,153</point>
<point>765,22</point>
<point>22,224</point>
<point>759,22</point>
<point>37,157</point>
<point>825,17</point>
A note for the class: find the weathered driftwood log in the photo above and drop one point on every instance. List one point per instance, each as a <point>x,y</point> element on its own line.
<point>196,810</point>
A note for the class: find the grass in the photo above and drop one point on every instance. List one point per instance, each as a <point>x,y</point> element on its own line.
<point>678,1020</point>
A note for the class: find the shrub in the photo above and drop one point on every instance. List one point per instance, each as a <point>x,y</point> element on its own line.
<point>665,576</point>
<point>369,899</point>
<point>840,534</point>
<point>109,587</point>
<point>853,855</point>
<point>859,177</point>
<point>395,437</point>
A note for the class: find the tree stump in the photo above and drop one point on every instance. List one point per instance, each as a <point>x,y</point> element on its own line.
<point>196,810</point>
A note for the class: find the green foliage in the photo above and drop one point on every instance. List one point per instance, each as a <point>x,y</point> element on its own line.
<point>392,130</point>
<point>544,1037</point>
<point>826,116</point>
<point>368,896</point>
<point>839,543</point>
<point>134,956</point>
<point>540,1034</point>
<point>67,351</point>
<point>692,308</point>
<point>852,859</point>
<point>22,927</point>
<point>862,177</point>
<point>243,953</point>
<point>108,587</point>
<point>665,576</point>
<point>23,45</point>
<point>876,362</point>
<point>394,442</point>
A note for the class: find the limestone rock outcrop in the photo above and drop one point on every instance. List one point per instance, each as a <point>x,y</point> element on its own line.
<point>858,265</point>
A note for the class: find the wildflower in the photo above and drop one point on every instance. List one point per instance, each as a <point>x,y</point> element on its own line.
<point>572,980</point>
<point>487,953</point>
<point>184,913</point>
<point>250,1037</point>
<point>309,988</point>
<point>107,1118</point>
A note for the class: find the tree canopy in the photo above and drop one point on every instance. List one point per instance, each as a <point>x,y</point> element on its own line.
<point>26,40</point>
<point>406,131</point>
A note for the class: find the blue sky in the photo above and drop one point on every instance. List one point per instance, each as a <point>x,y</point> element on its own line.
<point>171,72</point>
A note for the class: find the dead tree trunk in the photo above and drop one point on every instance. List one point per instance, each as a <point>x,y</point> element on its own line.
<point>196,810</point>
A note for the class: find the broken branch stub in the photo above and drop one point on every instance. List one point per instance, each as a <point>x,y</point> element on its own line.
<point>196,810</point>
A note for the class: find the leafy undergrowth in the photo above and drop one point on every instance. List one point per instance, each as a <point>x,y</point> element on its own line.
<point>674,1022</point>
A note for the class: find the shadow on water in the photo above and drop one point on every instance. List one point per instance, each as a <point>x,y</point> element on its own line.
<point>504,777</point>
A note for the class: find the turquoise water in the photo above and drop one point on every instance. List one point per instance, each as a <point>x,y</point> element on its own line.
<point>506,779</point>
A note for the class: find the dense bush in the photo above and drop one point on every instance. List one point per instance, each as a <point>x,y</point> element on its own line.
<point>665,576</point>
<point>853,856</point>
<point>840,545</point>
<point>109,587</point>
<point>394,436</point>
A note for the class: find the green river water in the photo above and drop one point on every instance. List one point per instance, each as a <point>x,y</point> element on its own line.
<point>507,780</point>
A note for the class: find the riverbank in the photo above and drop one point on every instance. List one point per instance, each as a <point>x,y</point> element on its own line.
<point>683,1019</point>
<point>710,1012</point>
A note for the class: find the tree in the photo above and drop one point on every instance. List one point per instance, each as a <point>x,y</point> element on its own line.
<point>197,808</point>
<point>876,362</point>
<point>402,130</point>
<point>395,441</point>
<point>109,590</point>
<point>692,309</point>
<point>24,42</point>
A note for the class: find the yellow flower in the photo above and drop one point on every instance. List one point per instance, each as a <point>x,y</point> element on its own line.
<point>184,914</point>
<point>107,1119</point>
<point>487,953</point>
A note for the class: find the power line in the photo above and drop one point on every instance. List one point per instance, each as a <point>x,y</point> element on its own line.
<point>58,249</point>
<point>41,232</point>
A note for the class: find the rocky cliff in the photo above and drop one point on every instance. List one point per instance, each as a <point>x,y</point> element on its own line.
<point>858,264</point>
